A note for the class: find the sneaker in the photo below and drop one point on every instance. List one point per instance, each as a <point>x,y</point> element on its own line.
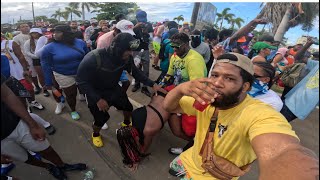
<point>50,129</point>
<point>6,168</point>
<point>145,91</point>
<point>133,82</point>
<point>157,68</point>
<point>75,115</point>
<point>105,126</point>
<point>57,172</point>
<point>82,97</point>
<point>175,151</point>
<point>124,125</point>
<point>36,105</point>
<point>59,108</point>
<point>73,167</point>
<point>46,93</point>
<point>37,90</point>
<point>29,109</point>
<point>135,87</point>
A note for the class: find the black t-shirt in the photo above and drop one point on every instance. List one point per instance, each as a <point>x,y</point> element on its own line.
<point>78,35</point>
<point>143,35</point>
<point>9,120</point>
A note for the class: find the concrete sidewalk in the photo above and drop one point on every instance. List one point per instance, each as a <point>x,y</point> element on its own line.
<point>72,141</point>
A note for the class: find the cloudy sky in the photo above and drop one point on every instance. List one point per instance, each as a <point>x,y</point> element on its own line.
<point>11,11</point>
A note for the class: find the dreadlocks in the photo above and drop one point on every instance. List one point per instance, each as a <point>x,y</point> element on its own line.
<point>128,145</point>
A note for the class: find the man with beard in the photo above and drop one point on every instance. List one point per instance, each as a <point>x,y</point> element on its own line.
<point>98,76</point>
<point>242,129</point>
<point>75,29</point>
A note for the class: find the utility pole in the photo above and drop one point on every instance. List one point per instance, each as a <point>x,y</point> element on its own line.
<point>34,21</point>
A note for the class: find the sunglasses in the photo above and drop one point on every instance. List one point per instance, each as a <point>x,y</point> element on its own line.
<point>257,76</point>
<point>134,44</point>
<point>177,46</point>
<point>194,36</point>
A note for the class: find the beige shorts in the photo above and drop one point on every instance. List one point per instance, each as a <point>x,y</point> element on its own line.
<point>63,80</point>
<point>19,141</point>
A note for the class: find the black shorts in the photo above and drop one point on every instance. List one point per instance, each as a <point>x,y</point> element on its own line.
<point>116,98</point>
<point>36,62</point>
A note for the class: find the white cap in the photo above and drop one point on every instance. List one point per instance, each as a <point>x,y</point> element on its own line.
<point>93,21</point>
<point>37,30</point>
<point>125,26</point>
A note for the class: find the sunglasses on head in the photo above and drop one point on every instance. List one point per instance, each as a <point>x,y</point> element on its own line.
<point>257,76</point>
<point>194,36</point>
<point>134,44</point>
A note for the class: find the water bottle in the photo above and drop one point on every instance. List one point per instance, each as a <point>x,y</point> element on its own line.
<point>89,175</point>
<point>58,94</point>
<point>137,58</point>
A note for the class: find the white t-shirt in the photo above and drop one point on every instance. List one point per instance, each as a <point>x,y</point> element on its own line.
<point>16,69</point>
<point>272,99</point>
<point>42,41</point>
<point>21,40</point>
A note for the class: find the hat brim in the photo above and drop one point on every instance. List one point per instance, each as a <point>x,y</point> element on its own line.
<point>272,47</point>
<point>142,19</point>
<point>128,31</point>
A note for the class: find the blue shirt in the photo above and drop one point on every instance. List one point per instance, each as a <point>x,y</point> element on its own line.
<point>227,46</point>
<point>5,66</point>
<point>304,97</point>
<point>164,64</point>
<point>62,59</point>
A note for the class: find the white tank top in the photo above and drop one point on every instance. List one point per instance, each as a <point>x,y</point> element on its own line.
<point>16,69</point>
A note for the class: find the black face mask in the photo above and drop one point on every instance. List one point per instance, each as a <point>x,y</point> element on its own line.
<point>195,41</point>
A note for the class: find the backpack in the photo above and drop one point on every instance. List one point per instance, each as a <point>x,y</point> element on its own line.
<point>292,76</point>
<point>162,50</point>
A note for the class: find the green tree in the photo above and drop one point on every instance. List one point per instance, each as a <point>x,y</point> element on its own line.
<point>284,16</point>
<point>41,18</point>
<point>107,10</point>
<point>237,21</point>
<point>84,6</point>
<point>72,9</point>
<point>179,18</point>
<point>224,15</point>
<point>58,14</point>
<point>52,21</point>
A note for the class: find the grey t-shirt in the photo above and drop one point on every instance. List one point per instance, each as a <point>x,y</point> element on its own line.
<point>204,50</point>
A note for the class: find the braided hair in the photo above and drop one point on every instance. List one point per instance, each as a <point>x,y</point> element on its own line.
<point>128,145</point>
<point>268,70</point>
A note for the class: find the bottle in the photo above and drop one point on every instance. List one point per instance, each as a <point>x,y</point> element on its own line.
<point>58,94</point>
<point>137,58</point>
<point>89,175</point>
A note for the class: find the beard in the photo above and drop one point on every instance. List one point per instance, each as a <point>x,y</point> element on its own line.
<point>227,100</point>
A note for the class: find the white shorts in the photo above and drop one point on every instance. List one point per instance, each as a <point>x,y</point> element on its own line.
<point>63,80</point>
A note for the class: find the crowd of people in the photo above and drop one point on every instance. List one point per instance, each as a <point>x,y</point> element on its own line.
<point>214,90</point>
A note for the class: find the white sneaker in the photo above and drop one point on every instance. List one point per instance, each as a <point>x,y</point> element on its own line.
<point>59,108</point>
<point>36,105</point>
<point>133,82</point>
<point>105,126</point>
<point>82,97</point>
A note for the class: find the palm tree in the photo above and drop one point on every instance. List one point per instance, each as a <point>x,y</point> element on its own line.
<point>58,14</point>
<point>179,18</point>
<point>84,5</point>
<point>224,15</point>
<point>284,16</point>
<point>72,10</point>
<point>237,21</point>
<point>134,9</point>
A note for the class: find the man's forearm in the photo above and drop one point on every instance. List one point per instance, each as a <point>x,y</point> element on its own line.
<point>299,55</point>
<point>14,103</point>
<point>243,31</point>
<point>296,162</point>
<point>171,102</point>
